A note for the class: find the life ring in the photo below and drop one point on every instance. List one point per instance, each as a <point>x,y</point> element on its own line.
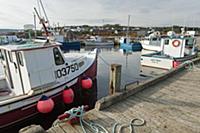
<point>176,43</point>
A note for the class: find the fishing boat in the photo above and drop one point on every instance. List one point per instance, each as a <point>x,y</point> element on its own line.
<point>38,76</point>
<point>97,41</point>
<point>34,70</point>
<point>152,41</point>
<point>6,39</point>
<point>127,45</point>
<point>67,44</point>
<point>175,50</point>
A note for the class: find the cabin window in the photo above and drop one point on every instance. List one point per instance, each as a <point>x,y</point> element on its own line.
<point>189,43</point>
<point>20,58</point>
<point>58,57</point>
<point>1,55</point>
<point>10,56</point>
<point>154,39</point>
<point>166,42</point>
<point>124,40</point>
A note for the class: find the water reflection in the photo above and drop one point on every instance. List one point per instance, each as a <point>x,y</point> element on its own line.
<point>129,60</point>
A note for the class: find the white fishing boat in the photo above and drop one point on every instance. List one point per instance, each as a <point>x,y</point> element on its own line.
<point>97,41</point>
<point>38,76</point>
<point>6,39</point>
<point>175,50</point>
<point>33,70</point>
<point>152,42</point>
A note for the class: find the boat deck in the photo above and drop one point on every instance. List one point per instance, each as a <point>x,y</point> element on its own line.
<point>171,105</point>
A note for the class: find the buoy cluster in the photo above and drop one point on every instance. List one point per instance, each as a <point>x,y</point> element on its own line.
<point>46,104</point>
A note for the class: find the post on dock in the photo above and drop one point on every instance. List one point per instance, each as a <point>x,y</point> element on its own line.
<point>115,78</point>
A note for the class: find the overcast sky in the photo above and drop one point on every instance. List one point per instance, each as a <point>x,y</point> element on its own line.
<point>16,13</point>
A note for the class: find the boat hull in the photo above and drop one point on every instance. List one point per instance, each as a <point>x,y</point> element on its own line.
<point>131,46</point>
<point>73,45</point>
<point>93,43</point>
<point>151,47</point>
<point>157,60</point>
<point>19,115</point>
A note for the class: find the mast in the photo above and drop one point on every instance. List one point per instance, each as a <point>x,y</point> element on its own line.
<point>127,30</point>
<point>34,16</point>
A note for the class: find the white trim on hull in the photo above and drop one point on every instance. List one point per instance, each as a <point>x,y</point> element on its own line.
<point>151,47</point>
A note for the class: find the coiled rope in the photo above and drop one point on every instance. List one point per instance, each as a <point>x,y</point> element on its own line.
<point>97,128</point>
<point>191,66</point>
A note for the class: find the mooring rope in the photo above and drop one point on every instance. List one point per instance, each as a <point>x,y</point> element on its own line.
<point>131,125</point>
<point>97,128</point>
<point>191,66</point>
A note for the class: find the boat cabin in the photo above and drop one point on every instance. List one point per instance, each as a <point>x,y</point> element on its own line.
<point>178,46</point>
<point>28,67</point>
<point>153,39</point>
<point>125,40</point>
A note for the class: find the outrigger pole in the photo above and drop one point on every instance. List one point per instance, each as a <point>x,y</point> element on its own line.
<point>42,21</point>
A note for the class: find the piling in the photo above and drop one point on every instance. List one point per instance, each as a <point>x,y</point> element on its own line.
<point>115,78</point>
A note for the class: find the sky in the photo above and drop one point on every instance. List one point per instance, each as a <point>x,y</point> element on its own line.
<point>17,13</point>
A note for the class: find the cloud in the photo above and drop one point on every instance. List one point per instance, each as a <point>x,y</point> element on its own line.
<point>16,13</point>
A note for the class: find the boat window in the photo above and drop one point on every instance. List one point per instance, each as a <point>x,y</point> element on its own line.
<point>19,55</point>
<point>1,55</point>
<point>58,57</point>
<point>166,42</point>
<point>124,40</point>
<point>10,56</point>
<point>154,39</point>
<point>189,42</point>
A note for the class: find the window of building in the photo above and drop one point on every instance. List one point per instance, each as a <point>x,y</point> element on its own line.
<point>58,57</point>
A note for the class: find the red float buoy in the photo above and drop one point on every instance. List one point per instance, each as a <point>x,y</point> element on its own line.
<point>86,83</point>
<point>68,95</point>
<point>45,104</point>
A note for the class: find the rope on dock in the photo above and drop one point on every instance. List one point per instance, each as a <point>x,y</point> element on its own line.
<point>131,125</point>
<point>97,128</point>
<point>191,66</point>
<point>78,113</point>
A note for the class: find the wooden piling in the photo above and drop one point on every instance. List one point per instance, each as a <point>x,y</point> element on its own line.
<point>115,78</point>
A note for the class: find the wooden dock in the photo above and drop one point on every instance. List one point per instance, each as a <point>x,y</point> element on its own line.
<point>169,103</point>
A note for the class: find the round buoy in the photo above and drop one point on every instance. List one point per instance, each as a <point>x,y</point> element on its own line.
<point>86,83</point>
<point>45,104</point>
<point>176,43</point>
<point>68,95</point>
